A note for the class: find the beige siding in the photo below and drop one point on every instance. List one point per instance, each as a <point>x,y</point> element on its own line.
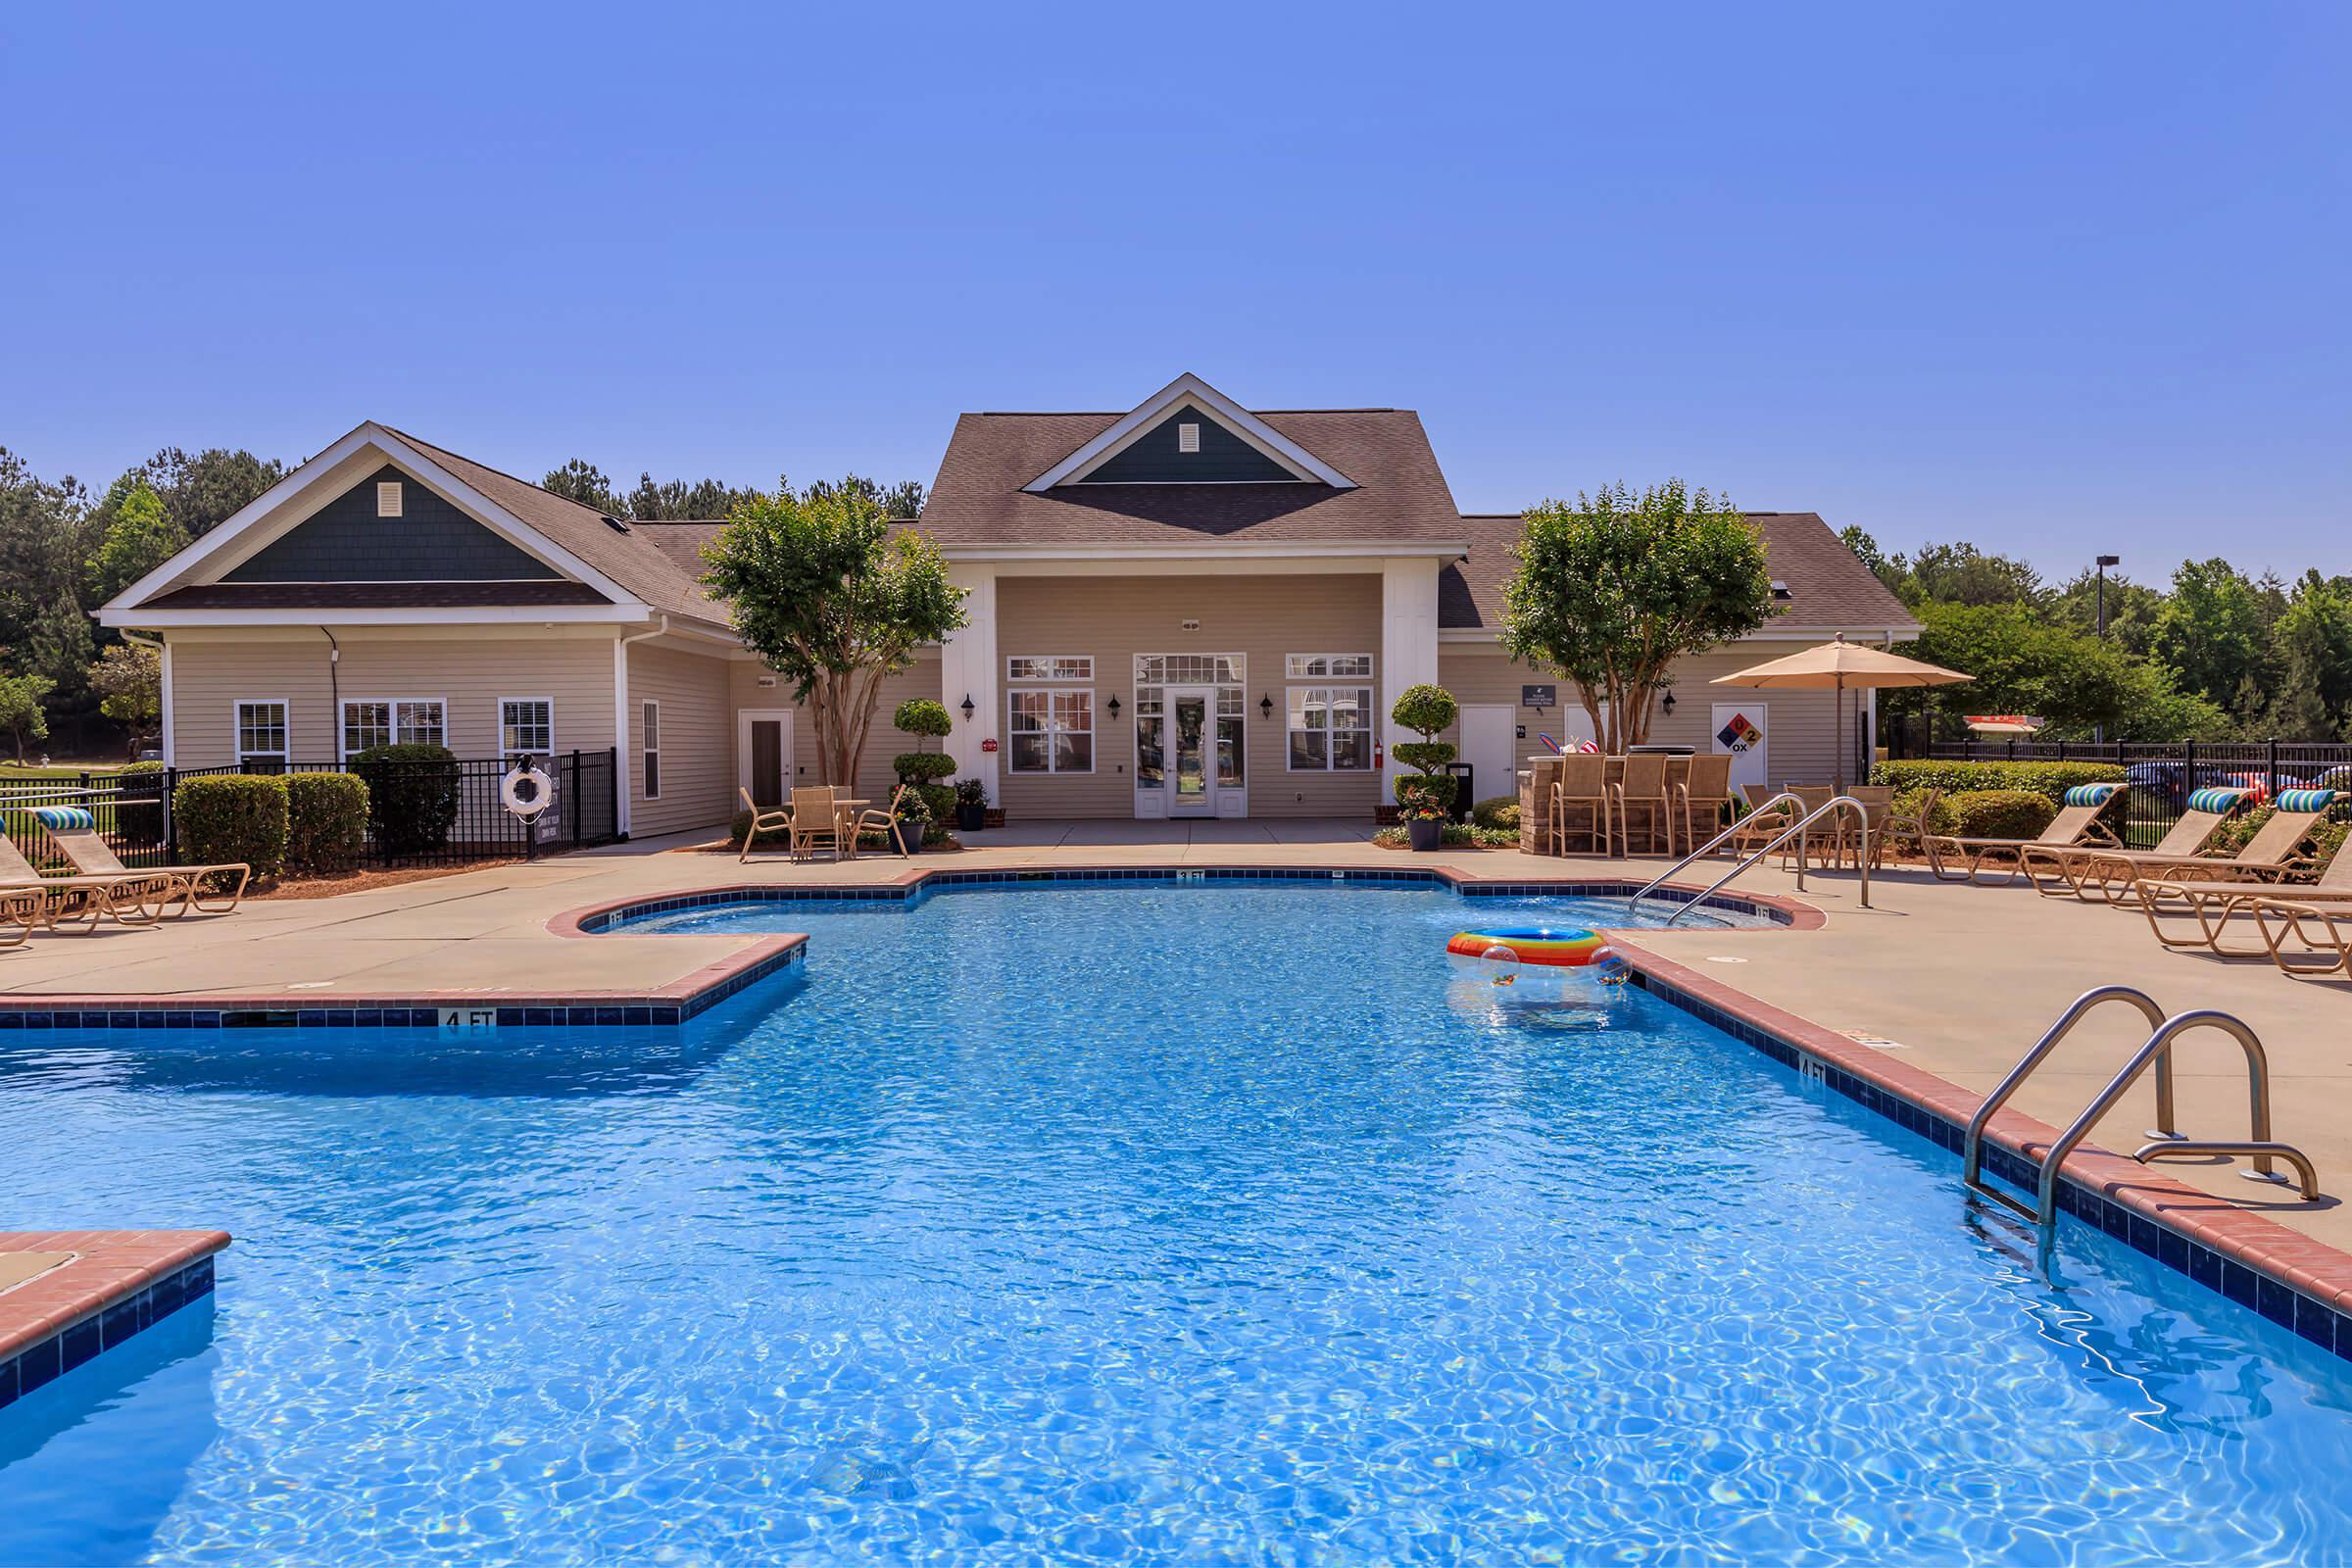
<point>1801,734</point>
<point>465,668</point>
<point>882,742</point>
<point>698,743</point>
<point>1114,619</point>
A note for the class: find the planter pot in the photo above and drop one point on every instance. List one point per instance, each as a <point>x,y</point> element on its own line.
<point>970,818</point>
<point>910,837</point>
<point>1425,832</point>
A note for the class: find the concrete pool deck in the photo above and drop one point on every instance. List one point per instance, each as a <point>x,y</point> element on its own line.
<point>1951,980</point>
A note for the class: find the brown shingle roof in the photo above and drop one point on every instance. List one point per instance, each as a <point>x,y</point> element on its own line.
<point>1829,588</point>
<point>634,559</point>
<point>1399,494</point>
<point>535,594</point>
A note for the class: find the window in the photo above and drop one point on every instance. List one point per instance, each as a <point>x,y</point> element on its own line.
<point>387,499</point>
<point>1319,667</point>
<point>1187,437</point>
<point>650,736</point>
<point>393,721</point>
<point>1055,666</point>
<point>1331,728</point>
<point>1053,731</point>
<point>526,724</point>
<point>262,736</point>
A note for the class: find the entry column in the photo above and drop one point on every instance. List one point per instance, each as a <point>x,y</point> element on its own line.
<point>967,667</point>
<point>1408,647</point>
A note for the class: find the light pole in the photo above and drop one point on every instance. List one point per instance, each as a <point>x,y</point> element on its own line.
<point>2099,733</point>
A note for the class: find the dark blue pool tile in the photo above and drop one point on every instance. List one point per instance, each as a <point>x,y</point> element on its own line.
<point>150,1018</point>
<point>511,1017</point>
<point>2172,1249</point>
<point>198,1278</point>
<point>367,1017</point>
<point>2315,1321</point>
<point>179,1020</point>
<point>2205,1266</point>
<point>37,1365</point>
<point>167,1295</point>
<point>79,1343</point>
<point>121,1320</point>
<point>12,1019</point>
<point>2274,1300</point>
<point>2239,1284</point>
<point>122,1020</point>
<point>8,1383</point>
<point>2147,1235</point>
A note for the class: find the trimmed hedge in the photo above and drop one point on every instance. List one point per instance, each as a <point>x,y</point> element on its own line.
<point>412,795</point>
<point>2001,813</point>
<point>327,821</point>
<point>1500,813</point>
<point>2051,779</point>
<point>231,818</point>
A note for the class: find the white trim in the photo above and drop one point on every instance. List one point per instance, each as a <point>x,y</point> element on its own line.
<point>1093,731</point>
<point>236,730</point>
<point>171,753</point>
<point>1817,634</point>
<point>649,742</point>
<point>1188,387</point>
<point>551,615</point>
<point>1371,726</point>
<point>392,725</point>
<point>745,717</point>
<point>1231,554</point>
<point>1010,678</point>
<point>499,724</point>
<point>1328,677</point>
<point>227,544</point>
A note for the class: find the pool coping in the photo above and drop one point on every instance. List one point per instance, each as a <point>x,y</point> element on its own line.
<point>112,1285</point>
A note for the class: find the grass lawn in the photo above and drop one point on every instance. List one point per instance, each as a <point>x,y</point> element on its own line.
<point>9,770</point>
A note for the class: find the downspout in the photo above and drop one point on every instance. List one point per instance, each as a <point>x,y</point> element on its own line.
<point>334,694</point>
<point>623,780</point>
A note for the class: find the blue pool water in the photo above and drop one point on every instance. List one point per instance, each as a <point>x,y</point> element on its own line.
<point>1110,1224</point>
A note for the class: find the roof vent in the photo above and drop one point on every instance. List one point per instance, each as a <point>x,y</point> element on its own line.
<point>1187,437</point>
<point>1780,589</point>
<point>388,497</point>
<point>619,527</point>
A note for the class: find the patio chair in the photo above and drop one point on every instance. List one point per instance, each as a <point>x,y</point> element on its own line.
<point>1820,840</point>
<point>2273,855</point>
<point>1705,794</point>
<point>2081,823</point>
<point>2213,901</point>
<point>884,822</point>
<point>2057,872</point>
<point>1914,827</point>
<point>1579,796</point>
<point>1759,826</point>
<point>815,822</point>
<point>768,822</point>
<point>123,899</point>
<point>1642,786</point>
<point>75,834</point>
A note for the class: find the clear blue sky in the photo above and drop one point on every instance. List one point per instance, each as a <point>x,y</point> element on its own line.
<point>2055,280</point>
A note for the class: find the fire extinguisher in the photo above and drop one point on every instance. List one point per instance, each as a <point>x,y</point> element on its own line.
<point>1379,762</point>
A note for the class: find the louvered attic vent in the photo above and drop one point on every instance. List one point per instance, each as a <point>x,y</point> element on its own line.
<point>1187,437</point>
<point>388,497</point>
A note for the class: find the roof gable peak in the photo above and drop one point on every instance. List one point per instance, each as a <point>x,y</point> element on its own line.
<point>1251,435</point>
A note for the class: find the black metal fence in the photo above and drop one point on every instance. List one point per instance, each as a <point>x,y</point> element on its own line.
<point>2162,774</point>
<point>133,810</point>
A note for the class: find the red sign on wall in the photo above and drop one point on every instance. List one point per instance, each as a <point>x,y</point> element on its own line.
<point>988,745</point>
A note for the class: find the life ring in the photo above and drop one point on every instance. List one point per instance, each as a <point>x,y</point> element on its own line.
<point>525,791</point>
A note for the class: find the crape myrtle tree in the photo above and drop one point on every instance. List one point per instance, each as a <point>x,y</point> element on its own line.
<point>1612,590</point>
<point>834,600</point>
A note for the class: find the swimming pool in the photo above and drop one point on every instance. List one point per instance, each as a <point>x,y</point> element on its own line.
<point>1109,1223</point>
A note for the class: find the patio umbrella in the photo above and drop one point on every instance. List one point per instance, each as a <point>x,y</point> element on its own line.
<point>1841,666</point>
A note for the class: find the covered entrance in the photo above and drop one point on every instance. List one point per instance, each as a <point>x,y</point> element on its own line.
<point>1190,739</point>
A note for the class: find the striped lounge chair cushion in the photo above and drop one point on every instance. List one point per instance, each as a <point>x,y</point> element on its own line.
<point>2091,793</point>
<point>2218,801</point>
<point>2305,799</point>
<point>64,818</point>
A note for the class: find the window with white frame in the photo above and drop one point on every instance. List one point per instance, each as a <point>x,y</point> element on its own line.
<point>1331,730</point>
<point>527,725</point>
<point>649,725</point>
<point>1052,731</point>
<point>1050,666</point>
<point>393,721</point>
<point>262,735</point>
<point>1154,673</point>
<point>1320,666</point>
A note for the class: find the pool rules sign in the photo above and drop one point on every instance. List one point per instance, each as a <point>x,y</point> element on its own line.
<point>1742,733</point>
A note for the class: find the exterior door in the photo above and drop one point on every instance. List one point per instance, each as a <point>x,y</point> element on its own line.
<point>1192,762</point>
<point>1490,737</point>
<point>764,754</point>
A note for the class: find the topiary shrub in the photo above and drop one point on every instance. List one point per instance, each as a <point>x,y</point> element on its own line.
<point>1500,813</point>
<point>2000,813</point>
<point>227,819</point>
<point>412,797</point>
<point>922,767</point>
<point>327,821</point>
<point>1425,710</point>
<point>921,717</point>
<point>2051,779</point>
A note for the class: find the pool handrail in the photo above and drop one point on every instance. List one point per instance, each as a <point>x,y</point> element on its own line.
<point>1797,831</point>
<point>1972,1148</point>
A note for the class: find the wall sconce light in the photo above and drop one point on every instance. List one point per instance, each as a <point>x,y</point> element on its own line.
<point>1114,707</point>
<point>1265,707</point>
<point>968,709</point>
<point>1669,705</point>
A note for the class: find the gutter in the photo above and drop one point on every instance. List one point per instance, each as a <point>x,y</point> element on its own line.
<point>621,784</point>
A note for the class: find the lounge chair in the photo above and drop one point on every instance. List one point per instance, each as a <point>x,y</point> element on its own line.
<point>122,897</point>
<point>768,822</point>
<point>815,822</point>
<point>2081,823</point>
<point>2213,902</point>
<point>2067,872</point>
<point>2323,928</point>
<point>884,822</point>
<point>2273,855</point>
<point>75,832</point>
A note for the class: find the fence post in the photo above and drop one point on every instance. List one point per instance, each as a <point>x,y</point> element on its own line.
<point>2062,751</point>
<point>572,795</point>
<point>171,783</point>
<point>2188,771</point>
<point>2271,768</point>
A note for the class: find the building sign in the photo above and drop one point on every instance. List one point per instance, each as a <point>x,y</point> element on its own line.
<point>469,1017</point>
<point>988,745</point>
<point>1545,696</point>
<point>1739,735</point>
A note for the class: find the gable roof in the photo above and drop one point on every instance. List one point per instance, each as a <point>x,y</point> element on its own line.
<point>1189,391</point>
<point>1396,492</point>
<point>1829,588</point>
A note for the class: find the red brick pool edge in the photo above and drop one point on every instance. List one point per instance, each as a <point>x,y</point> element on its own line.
<point>84,1292</point>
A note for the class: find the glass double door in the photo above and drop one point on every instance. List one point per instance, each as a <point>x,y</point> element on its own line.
<point>1190,757</point>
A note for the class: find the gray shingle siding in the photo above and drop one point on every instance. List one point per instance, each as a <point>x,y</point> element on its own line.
<point>430,541</point>
<point>1223,458</point>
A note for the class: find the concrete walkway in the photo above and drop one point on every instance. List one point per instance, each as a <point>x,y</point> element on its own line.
<point>1958,980</point>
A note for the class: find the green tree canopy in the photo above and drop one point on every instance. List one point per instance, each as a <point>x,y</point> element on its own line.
<point>1612,591</point>
<point>21,714</point>
<point>2213,631</point>
<point>128,683</point>
<point>834,601</point>
<point>583,481</point>
<point>140,537</point>
<point>202,490</point>
<point>2073,680</point>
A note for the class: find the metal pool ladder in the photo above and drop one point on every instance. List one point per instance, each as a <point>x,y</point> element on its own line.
<point>1797,831</point>
<point>2165,1139</point>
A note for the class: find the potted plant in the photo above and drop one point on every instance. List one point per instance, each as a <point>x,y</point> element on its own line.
<point>1425,796</point>
<point>912,822</point>
<point>971,806</point>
